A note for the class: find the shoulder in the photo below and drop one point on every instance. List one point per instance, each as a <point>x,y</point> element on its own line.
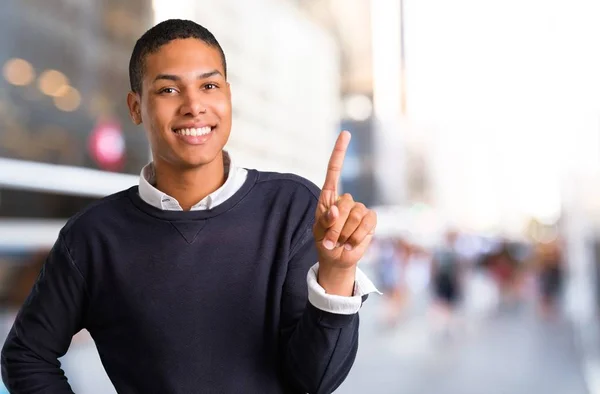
<point>109,208</point>
<point>295,184</point>
<point>293,198</point>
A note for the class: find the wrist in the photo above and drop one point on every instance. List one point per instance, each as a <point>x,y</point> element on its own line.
<point>336,280</point>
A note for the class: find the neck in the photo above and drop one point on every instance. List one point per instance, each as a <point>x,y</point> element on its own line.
<point>190,186</point>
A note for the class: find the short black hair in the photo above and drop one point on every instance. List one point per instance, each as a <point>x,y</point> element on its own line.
<point>161,34</point>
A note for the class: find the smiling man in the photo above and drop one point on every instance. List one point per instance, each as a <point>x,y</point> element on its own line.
<point>206,277</point>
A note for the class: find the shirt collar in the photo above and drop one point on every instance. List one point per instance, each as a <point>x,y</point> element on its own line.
<point>151,195</point>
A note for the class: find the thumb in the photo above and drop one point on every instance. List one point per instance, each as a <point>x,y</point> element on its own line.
<point>330,216</point>
<point>326,220</point>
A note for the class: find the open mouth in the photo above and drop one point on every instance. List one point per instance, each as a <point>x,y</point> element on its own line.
<point>194,132</point>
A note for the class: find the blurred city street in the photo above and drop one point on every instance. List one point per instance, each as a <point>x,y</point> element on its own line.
<point>510,352</point>
<point>475,138</point>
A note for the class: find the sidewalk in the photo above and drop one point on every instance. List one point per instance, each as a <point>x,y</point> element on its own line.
<point>512,352</point>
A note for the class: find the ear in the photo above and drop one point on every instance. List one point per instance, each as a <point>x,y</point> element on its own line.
<point>133,102</point>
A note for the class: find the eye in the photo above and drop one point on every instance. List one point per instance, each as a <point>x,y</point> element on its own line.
<point>210,86</point>
<point>167,91</point>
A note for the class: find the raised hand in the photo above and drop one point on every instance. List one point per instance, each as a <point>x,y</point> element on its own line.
<point>343,228</point>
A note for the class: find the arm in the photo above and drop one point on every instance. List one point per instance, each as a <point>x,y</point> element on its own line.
<point>318,347</point>
<point>44,327</point>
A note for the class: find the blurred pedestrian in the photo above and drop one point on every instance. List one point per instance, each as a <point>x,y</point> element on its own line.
<point>391,270</point>
<point>446,283</point>
<point>551,278</point>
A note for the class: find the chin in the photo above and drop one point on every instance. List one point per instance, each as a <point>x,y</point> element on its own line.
<point>197,161</point>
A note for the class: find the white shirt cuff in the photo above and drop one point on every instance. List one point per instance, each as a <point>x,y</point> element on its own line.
<point>335,303</point>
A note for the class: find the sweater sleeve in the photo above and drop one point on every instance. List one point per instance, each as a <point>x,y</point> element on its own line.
<point>44,327</point>
<point>318,347</point>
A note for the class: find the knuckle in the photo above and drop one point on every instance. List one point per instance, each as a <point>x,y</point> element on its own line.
<point>334,168</point>
<point>372,215</point>
<point>369,224</point>
<point>334,232</point>
<point>345,206</point>
<point>347,196</point>
<point>356,215</point>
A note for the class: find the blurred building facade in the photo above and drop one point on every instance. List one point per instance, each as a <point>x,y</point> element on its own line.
<point>351,29</point>
<point>386,167</point>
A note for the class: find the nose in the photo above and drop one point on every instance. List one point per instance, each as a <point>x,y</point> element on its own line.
<point>192,105</point>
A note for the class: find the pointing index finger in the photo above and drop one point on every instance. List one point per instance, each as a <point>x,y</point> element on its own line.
<point>334,168</point>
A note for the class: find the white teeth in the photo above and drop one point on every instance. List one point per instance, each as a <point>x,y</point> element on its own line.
<point>194,132</point>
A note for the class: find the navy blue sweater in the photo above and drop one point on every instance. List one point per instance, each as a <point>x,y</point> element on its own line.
<point>208,301</point>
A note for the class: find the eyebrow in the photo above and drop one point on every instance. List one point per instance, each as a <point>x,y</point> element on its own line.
<point>176,78</point>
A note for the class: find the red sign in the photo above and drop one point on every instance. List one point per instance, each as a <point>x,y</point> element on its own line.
<point>107,145</point>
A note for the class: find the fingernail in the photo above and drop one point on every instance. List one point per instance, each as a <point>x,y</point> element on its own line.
<point>328,244</point>
<point>330,215</point>
<point>348,247</point>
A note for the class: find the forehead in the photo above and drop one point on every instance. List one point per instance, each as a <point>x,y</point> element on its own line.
<point>183,56</point>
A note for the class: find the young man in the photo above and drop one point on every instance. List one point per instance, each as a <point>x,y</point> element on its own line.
<point>207,277</point>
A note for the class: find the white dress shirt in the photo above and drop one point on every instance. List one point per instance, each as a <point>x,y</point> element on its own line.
<point>236,176</point>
